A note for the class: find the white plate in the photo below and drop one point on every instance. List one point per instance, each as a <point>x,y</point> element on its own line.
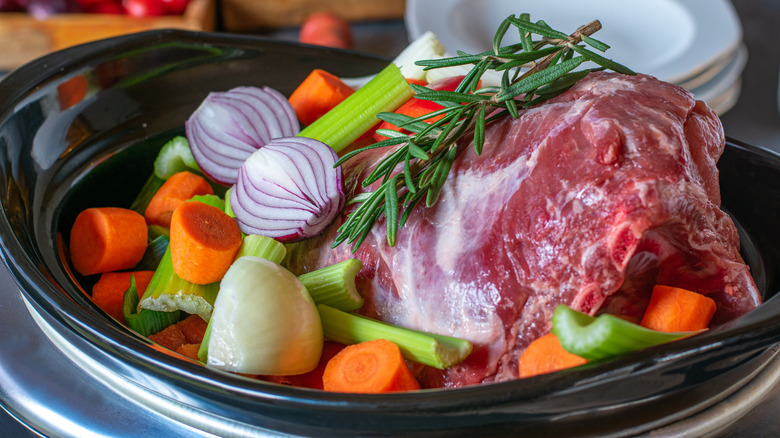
<point>670,39</point>
<point>724,80</point>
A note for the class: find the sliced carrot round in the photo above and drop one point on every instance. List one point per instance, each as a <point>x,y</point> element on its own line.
<point>369,367</point>
<point>204,242</point>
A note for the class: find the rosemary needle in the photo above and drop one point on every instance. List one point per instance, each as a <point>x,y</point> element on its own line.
<point>544,64</point>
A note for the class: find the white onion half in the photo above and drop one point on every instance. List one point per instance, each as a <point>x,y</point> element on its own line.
<point>288,190</point>
<point>229,126</point>
<point>264,322</point>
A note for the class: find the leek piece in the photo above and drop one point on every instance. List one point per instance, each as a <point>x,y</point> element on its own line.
<point>153,254</point>
<point>604,336</point>
<point>155,231</point>
<point>343,124</point>
<point>263,247</point>
<point>145,322</point>
<point>438,351</point>
<point>150,187</point>
<point>167,292</point>
<point>212,200</point>
<point>174,157</point>
<point>334,285</point>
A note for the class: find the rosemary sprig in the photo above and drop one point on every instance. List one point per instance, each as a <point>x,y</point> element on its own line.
<point>544,64</point>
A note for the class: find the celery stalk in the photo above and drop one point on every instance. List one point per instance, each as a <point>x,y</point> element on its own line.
<point>167,292</point>
<point>263,247</point>
<point>342,125</point>
<point>145,322</point>
<point>212,200</point>
<point>438,351</point>
<point>228,209</point>
<point>174,157</point>
<point>334,285</point>
<point>604,336</point>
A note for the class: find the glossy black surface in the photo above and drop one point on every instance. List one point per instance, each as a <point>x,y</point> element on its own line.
<point>62,152</point>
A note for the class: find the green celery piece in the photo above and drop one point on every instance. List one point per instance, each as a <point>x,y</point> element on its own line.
<point>604,336</point>
<point>228,209</point>
<point>438,351</point>
<point>343,124</point>
<point>167,292</point>
<point>153,254</point>
<point>145,322</point>
<point>263,247</point>
<point>174,157</point>
<point>212,200</point>
<point>150,187</point>
<point>203,350</point>
<point>334,285</point>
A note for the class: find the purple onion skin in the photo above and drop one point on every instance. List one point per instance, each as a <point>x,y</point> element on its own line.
<point>288,190</point>
<point>229,126</point>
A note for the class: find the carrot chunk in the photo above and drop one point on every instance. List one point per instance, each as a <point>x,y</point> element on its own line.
<point>369,367</point>
<point>204,242</point>
<point>193,328</point>
<point>108,293</point>
<point>545,355</point>
<point>105,239</point>
<point>175,190</point>
<point>672,309</point>
<point>318,94</point>
<point>189,350</point>
<point>170,337</point>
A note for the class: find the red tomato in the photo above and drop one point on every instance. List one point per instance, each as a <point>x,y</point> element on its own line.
<point>326,29</point>
<point>417,107</point>
<point>143,8</point>
<point>175,7</point>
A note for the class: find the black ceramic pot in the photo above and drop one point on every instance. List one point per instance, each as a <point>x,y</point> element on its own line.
<point>80,128</point>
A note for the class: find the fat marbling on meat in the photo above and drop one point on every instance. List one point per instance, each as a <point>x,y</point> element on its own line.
<point>588,199</point>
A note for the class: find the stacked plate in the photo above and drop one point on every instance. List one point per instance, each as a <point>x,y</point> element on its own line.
<point>694,43</point>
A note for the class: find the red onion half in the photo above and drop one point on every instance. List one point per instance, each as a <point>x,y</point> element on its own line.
<point>289,189</point>
<point>229,126</point>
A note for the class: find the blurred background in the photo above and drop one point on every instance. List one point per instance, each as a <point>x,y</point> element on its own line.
<point>719,49</point>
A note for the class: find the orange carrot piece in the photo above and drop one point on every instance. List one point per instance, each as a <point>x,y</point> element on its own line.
<point>369,367</point>
<point>108,293</point>
<point>312,379</point>
<point>193,327</point>
<point>318,94</point>
<point>204,242</point>
<point>189,350</point>
<point>545,355</point>
<point>672,309</point>
<point>105,239</point>
<point>175,190</point>
<point>170,337</point>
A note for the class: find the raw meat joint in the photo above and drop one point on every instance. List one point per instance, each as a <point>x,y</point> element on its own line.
<point>588,199</point>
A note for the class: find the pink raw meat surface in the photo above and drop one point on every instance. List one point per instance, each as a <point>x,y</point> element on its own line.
<point>588,199</point>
